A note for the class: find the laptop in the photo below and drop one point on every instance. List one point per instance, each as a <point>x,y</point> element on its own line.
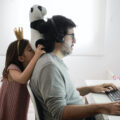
<point>114,95</point>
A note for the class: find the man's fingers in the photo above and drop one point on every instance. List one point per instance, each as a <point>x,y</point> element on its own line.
<point>108,85</point>
<point>106,90</point>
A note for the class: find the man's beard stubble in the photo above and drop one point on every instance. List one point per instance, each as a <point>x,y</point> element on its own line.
<point>66,50</point>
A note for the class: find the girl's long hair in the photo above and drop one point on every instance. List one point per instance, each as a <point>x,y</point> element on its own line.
<point>12,55</point>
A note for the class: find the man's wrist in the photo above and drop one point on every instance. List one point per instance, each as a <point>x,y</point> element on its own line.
<point>91,89</point>
<point>102,109</point>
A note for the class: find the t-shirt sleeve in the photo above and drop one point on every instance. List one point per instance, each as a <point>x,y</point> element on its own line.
<point>13,67</point>
<point>52,89</point>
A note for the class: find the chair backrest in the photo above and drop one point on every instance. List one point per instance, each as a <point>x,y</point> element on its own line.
<point>33,101</point>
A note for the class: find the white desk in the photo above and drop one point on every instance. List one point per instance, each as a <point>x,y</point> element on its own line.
<point>101,98</point>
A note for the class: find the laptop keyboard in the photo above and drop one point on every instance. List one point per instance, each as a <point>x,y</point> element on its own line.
<point>114,95</point>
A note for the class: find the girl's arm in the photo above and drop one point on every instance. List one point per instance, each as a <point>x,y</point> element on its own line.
<point>23,77</point>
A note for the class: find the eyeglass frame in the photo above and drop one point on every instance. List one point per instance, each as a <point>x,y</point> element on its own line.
<point>72,34</point>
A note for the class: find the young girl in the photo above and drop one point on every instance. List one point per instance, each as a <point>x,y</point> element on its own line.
<point>14,97</point>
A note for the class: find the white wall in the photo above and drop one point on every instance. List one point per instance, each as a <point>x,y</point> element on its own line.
<point>85,67</point>
<point>112,38</point>
<point>94,67</point>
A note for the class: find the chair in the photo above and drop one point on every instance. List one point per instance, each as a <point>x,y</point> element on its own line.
<point>33,101</point>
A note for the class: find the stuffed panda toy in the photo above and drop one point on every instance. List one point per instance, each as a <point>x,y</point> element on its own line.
<point>36,16</point>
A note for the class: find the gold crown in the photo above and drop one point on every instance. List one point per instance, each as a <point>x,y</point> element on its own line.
<point>19,35</point>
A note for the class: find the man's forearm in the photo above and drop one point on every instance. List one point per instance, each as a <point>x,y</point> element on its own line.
<point>75,112</point>
<point>96,88</point>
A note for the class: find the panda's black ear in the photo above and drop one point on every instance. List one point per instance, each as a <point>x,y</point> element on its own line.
<point>40,8</point>
<point>31,10</point>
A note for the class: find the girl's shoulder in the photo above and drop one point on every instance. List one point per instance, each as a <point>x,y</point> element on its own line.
<point>13,67</point>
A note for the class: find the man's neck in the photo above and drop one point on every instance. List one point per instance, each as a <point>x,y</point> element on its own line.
<point>58,53</point>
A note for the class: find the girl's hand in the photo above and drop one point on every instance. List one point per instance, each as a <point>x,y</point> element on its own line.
<point>39,51</point>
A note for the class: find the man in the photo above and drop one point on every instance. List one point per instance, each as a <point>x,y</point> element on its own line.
<point>50,81</point>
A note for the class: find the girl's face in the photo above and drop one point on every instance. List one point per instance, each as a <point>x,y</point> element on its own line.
<point>27,55</point>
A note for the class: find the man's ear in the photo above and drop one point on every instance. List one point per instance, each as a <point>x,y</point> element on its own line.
<point>21,58</point>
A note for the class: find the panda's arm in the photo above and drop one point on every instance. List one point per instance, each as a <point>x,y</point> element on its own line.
<point>37,25</point>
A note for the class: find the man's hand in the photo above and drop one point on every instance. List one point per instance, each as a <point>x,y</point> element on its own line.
<point>76,112</point>
<point>106,87</point>
<point>111,108</point>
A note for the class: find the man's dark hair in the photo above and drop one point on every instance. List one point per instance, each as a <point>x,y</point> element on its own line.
<point>54,30</point>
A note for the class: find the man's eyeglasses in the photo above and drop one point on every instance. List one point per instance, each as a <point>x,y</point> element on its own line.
<point>72,35</point>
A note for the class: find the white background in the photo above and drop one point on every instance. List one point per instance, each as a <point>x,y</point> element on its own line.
<point>89,16</point>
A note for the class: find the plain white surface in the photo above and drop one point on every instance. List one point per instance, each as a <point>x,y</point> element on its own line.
<point>101,98</point>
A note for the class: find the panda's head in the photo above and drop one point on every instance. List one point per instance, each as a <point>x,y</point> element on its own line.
<point>37,12</point>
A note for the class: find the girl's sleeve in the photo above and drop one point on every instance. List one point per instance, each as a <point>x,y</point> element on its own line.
<point>13,67</point>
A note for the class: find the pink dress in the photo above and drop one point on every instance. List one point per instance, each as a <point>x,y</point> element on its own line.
<point>14,99</point>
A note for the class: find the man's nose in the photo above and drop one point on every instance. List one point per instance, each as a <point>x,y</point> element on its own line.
<point>74,40</point>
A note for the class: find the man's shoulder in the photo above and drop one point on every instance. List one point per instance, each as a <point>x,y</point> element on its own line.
<point>45,60</point>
